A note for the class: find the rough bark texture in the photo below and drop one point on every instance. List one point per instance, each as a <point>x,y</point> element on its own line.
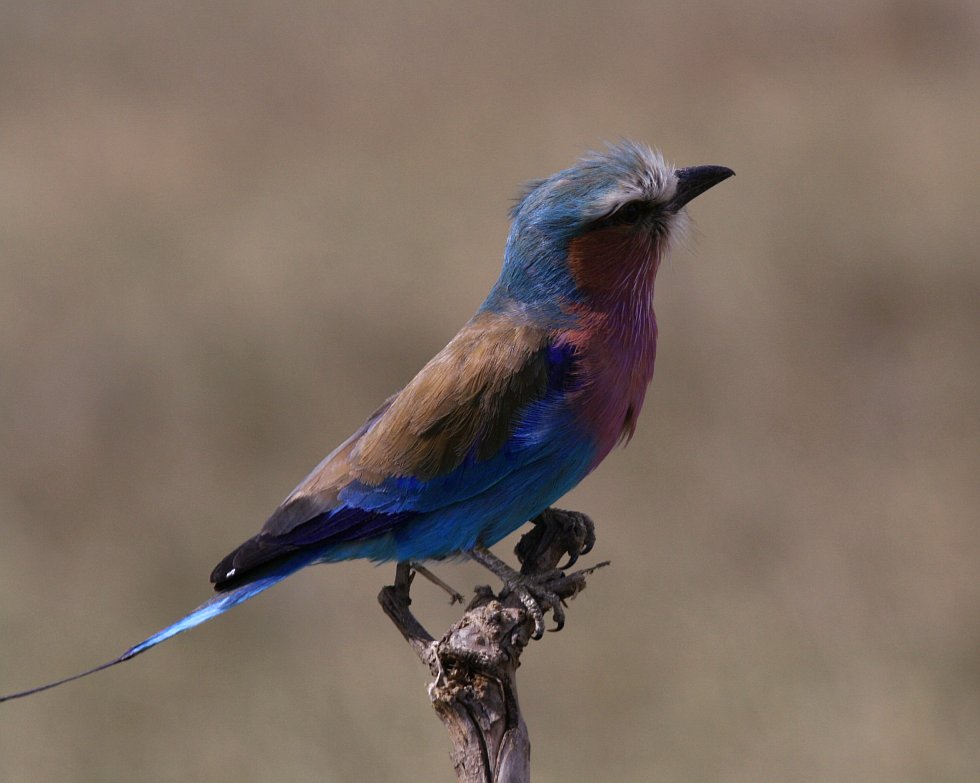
<point>475,663</point>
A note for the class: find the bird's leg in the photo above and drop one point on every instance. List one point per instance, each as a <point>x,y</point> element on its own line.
<point>572,530</point>
<point>395,600</point>
<point>402,588</point>
<point>455,597</point>
<point>532,589</point>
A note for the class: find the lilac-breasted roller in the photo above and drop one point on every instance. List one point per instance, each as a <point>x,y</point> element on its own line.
<point>535,390</point>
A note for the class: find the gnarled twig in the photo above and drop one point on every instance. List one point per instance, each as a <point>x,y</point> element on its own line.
<point>475,663</point>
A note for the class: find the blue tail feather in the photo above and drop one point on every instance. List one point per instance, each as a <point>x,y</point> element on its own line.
<point>210,609</point>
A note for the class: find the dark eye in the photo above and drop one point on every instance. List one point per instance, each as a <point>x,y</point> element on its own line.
<point>629,213</point>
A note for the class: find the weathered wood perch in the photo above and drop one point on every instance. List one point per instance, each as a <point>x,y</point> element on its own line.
<point>475,663</point>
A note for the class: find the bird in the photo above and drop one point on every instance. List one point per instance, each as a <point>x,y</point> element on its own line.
<point>535,390</point>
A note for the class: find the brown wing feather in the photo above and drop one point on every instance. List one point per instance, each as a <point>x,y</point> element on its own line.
<point>466,395</point>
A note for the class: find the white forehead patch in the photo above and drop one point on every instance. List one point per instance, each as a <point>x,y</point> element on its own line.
<point>638,173</point>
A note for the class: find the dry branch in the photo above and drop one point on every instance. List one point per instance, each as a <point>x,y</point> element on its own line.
<point>475,663</point>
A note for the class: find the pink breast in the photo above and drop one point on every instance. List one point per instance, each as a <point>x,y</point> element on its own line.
<point>615,337</point>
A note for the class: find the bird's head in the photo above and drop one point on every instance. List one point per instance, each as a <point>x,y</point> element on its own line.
<point>604,223</point>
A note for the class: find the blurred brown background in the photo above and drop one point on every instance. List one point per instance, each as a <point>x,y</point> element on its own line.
<point>229,230</point>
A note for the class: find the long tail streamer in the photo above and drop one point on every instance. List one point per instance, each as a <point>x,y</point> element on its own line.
<point>219,604</point>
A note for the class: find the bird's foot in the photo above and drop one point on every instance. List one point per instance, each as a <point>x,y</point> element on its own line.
<point>537,592</point>
<point>455,597</point>
<point>572,531</point>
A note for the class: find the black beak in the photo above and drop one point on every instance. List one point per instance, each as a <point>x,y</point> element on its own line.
<point>693,181</point>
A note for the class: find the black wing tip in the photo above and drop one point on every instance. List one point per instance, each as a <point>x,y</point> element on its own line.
<point>224,571</point>
<point>252,560</point>
<point>232,569</point>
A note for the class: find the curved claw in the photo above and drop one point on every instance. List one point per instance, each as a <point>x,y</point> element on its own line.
<point>589,535</point>
<point>574,530</point>
<point>572,560</point>
<point>532,594</point>
<point>531,589</point>
<point>533,608</point>
<point>558,613</point>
